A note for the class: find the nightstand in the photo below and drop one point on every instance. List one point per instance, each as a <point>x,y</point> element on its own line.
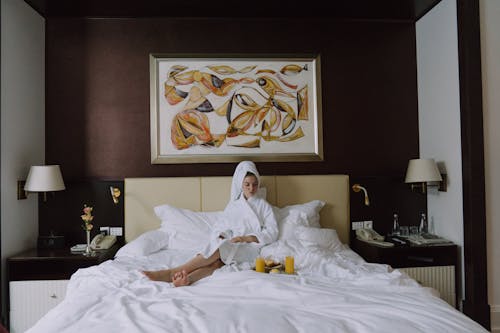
<point>38,279</point>
<point>432,266</point>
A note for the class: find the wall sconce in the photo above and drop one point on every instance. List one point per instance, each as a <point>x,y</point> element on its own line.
<point>421,171</point>
<point>42,178</point>
<point>115,194</point>
<point>356,188</point>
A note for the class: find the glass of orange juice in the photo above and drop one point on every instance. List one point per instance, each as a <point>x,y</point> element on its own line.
<point>289,265</point>
<point>260,265</point>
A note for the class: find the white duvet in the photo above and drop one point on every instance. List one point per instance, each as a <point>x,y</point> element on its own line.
<point>334,291</point>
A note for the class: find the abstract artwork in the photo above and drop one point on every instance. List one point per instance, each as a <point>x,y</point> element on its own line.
<point>209,109</point>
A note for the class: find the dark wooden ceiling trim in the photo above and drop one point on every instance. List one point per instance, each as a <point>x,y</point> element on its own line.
<point>475,304</point>
<point>405,10</point>
<point>423,7</point>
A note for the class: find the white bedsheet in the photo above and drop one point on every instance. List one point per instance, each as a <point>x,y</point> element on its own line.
<point>332,292</point>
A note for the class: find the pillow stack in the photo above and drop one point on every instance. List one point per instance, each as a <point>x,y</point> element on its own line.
<point>187,229</point>
<point>184,229</point>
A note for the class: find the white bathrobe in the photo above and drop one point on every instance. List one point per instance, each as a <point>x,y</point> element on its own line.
<point>243,217</point>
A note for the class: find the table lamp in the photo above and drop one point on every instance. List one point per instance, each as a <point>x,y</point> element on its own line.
<point>44,178</point>
<point>421,171</point>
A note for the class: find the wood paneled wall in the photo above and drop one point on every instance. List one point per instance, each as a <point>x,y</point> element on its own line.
<point>97,112</point>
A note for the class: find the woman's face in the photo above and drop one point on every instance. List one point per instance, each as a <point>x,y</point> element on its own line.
<point>250,186</point>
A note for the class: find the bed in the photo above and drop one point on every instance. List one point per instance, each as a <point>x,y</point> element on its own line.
<point>333,290</point>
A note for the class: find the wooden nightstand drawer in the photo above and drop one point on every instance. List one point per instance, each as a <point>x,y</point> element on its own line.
<point>419,256</point>
<point>46,264</point>
<point>407,256</point>
<point>45,269</point>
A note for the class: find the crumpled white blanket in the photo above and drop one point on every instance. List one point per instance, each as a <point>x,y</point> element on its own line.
<point>331,292</point>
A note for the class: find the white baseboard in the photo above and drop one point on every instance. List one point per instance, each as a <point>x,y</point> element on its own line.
<point>495,318</point>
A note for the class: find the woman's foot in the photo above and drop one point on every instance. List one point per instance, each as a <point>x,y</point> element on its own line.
<point>181,279</point>
<point>164,275</point>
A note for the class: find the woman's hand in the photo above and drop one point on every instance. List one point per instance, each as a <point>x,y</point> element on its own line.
<point>244,239</point>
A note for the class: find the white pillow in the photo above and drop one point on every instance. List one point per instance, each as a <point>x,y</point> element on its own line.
<point>187,229</point>
<point>311,210</point>
<point>289,217</point>
<point>147,243</point>
<point>288,223</point>
<point>318,237</point>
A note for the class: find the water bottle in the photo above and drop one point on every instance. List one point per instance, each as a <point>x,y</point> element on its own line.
<point>430,224</point>
<point>424,228</point>
<point>395,226</point>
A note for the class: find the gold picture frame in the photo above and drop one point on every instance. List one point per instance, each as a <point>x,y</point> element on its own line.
<point>227,108</point>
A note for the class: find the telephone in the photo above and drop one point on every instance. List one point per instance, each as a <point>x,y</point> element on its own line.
<point>102,242</point>
<point>372,237</point>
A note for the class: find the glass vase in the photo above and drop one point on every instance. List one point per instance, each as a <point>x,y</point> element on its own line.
<point>88,250</point>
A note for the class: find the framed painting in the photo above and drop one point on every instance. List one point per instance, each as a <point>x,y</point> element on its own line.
<point>226,108</point>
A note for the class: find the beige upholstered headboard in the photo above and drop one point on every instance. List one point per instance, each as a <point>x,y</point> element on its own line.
<point>212,194</point>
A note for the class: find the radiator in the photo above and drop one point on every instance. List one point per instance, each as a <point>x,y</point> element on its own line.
<point>30,300</point>
<point>441,278</point>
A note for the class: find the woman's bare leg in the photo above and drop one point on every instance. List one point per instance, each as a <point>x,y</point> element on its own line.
<point>182,278</point>
<point>164,275</point>
<point>197,262</point>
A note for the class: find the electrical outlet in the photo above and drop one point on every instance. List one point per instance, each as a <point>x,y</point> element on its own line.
<point>117,231</point>
<point>357,225</point>
<point>104,230</point>
<point>368,224</point>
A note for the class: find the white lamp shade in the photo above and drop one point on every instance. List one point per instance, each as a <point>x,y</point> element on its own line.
<point>44,178</point>
<point>422,170</point>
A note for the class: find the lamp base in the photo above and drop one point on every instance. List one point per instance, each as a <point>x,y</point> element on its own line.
<point>422,185</point>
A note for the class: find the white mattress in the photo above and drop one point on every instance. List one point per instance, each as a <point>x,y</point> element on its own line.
<point>333,291</point>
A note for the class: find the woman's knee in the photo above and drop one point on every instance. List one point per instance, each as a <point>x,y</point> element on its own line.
<point>217,264</point>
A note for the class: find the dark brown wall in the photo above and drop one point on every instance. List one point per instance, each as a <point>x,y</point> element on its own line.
<point>97,112</point>
<point>388,196</point>
<point>60,214</point>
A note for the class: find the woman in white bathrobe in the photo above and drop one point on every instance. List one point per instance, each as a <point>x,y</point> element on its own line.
<point>249,223</point>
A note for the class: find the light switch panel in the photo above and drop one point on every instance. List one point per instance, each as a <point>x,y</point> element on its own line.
<point>358,225</point>
<point>117,231</point>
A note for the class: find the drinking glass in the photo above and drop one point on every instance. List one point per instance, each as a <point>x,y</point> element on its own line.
<point>413,230</point>
<point>289,265</point>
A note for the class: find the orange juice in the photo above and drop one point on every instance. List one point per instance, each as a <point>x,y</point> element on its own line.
<point>289,263</point>
<point>260,265</point>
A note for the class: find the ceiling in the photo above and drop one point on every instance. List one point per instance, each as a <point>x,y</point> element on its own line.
<point>406,10</point>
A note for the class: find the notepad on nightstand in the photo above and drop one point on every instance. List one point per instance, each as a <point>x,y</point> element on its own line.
<point>78,248</point>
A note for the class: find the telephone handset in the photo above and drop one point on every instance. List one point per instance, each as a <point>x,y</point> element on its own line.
<point>102,242</point>
<point>372,237</point>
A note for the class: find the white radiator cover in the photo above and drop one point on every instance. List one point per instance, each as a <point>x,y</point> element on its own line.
<point>441,278</point>
<point>30,300</point>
